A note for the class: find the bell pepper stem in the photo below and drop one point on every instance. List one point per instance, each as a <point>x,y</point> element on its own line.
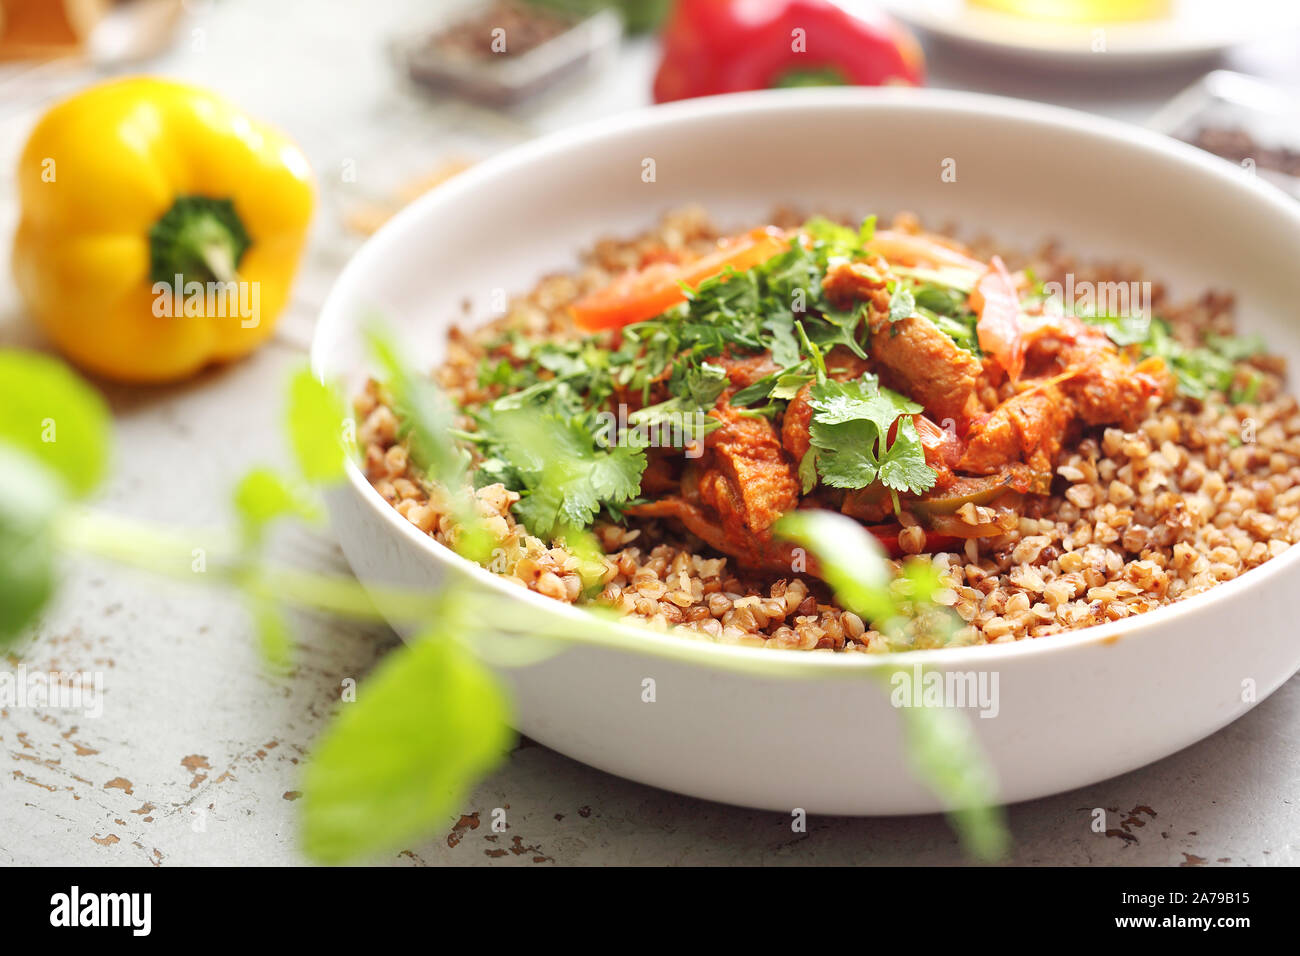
<point>200,239</point>
<point>220,262</point>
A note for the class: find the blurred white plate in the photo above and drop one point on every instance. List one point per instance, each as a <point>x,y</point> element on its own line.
<point>1194,29</point>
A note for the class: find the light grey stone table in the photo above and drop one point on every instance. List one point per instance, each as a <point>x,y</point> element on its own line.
<point>195,758</point>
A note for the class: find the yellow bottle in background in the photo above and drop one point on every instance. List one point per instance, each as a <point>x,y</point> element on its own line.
<point>1080,11</point>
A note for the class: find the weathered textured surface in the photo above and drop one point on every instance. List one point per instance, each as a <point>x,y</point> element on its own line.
<point>195,758</point>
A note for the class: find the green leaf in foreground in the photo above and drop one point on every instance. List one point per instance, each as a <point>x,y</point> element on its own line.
<point>940,745</point>
<point>27,508</point>
<point>429,419</point>
<point>49,413</point>
<point>262,496</point>
<point>851,560</point>
<point>273,637</point>
<point>315,418</point>
<point>425,727</point>
<point>946,757</point>
<point>425,410</point>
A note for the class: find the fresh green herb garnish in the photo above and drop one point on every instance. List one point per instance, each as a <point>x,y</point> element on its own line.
<point>434,721</point>
<point>942,300</point>
<point>850,431</point>
<point>839,241</point>
<point>778,307</point>
<point>553,461</point>
<point>901,303</point>
<point>944,304</point>
<point>1236,348</point>
<point>1124,330</point>
<point>1200,370</point>
<point>782,385</point>
<point>695,390</point>
<point>756,310</point>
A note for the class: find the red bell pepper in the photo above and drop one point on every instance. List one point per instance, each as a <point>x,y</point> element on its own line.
<point>726,46</point>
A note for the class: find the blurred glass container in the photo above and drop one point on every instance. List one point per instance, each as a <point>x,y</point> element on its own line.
<point>472,56</point>
<point>1241,119</point>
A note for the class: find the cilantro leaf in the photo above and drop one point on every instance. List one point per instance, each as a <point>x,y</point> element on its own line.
<point>808,471</point>
<point>940,299</point>
<point>700,384</point>
<point>695,390</point>
<point>1236,348</point>
<point>837,402</point>
<point>789,382</point>
<point>836,240</point>
<point>1123,330</point>
<point>1200,370</point>
<point>867,231</point>
<point>564,478</point>
<point>847,456</point>
<point>784,345</point>
<point>262,496</point>
<point>839,327</point>
<point>782,386</point>
<point>850,431</point>
<point>839,241</point>
<point>754,393</point>
<point>903,466</point>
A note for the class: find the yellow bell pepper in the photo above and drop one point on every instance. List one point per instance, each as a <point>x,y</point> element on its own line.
<point>160,228</point>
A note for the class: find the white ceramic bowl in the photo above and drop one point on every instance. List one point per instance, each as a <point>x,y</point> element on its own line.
<point>1072,708</point>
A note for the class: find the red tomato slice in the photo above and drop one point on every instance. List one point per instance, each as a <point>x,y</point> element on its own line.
<point>643,294</point>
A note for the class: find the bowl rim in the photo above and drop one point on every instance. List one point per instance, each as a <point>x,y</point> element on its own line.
<point>632,637</point>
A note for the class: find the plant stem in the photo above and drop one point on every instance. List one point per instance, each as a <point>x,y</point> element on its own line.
<point>147,547</point>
